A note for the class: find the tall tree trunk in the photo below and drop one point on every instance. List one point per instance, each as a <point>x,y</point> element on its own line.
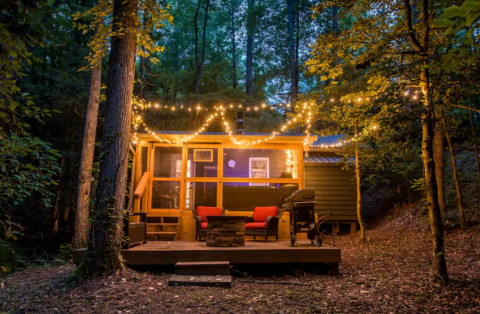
<point>334,18</point>
<point>249,65</point>
<point>358,186</point>
<point>202,60</point>
<point>474,139</point>
<point>291,45</point>
<point>439,157</point>
<point>234,69</point>
<point>458,187</point>
<point>297,44</point>
<point>106,233</point>
<point>428,124</point>
<point>86,157</point>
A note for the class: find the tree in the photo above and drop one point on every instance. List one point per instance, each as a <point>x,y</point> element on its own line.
<point>250,32</point>
<point>458,187</point>
<point>358,183</point>
<point>106,230</point>
<point>234,69</point>
<point>200,63</point>
<point>293,52</point>
<point>88,143</point>
<point>362,59</point>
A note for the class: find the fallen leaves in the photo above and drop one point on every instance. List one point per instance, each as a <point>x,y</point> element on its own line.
<point>389,274</point>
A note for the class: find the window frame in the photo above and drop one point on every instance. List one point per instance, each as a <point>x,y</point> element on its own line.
<point>250,162</point>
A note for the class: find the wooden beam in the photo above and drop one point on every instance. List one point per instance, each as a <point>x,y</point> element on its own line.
<point>142,185</point>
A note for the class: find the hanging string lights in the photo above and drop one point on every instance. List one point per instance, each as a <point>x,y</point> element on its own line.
<point>220,110</point>
<point>306,113</point>
<point>303,116</point>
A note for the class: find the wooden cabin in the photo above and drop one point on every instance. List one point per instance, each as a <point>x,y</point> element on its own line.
<point>171,180</point>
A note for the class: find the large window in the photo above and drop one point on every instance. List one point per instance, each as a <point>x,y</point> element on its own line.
<point>166,194</point>
<point>245,196</point>
<point>167,162</point>
<point>260,163</point>
<point>203,162</point>
<point>201,194</point>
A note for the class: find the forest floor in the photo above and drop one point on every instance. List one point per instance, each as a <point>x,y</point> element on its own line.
<point>389,274</point>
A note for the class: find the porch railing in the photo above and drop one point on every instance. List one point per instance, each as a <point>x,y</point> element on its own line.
<point>141,199</point>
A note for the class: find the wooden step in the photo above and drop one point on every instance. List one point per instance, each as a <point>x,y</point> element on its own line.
<point>161,232</point>
<point>161,224</point>
<point>203,281</point>
<point>202,268</point>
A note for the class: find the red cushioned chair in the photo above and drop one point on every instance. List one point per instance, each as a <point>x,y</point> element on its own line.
<point>264,222</point>
<point>200,214</point>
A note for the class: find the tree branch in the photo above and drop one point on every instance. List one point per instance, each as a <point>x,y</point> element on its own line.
<point>411,33</point>
<point>463,107</point>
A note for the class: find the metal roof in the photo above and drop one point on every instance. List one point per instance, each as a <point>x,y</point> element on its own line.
<point>324,157</point>
<point>328,140</point>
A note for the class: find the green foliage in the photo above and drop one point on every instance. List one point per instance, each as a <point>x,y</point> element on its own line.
<point>27,166</point>
<point>152,17</point>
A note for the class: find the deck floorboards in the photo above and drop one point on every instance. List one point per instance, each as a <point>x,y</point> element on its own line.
<point>254,252</point>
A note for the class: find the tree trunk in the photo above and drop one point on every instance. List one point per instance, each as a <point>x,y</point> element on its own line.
<point>202,60</point>
<point>474,139</point>
<point>86,157</point>
<point>297,45</point>
<point>249,66</point>
<point>291,45</point>
<point>103,254</point>
<point>461,211</point>
<point>334,19</point>
<point>428,124</point>
<point>358,186</point>
<point>439,157</point>
<point>234,69</point>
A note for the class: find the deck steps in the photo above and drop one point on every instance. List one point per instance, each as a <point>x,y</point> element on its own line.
<point>202,268</point>
<point>202,280</point>
<point>163,226</point>
<point>161,232</point>
<point>204,274</point>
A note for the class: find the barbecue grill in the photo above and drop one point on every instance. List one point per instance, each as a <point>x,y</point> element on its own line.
<point>301,206</point>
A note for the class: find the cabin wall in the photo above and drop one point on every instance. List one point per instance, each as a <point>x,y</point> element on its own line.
<point>334,190</point>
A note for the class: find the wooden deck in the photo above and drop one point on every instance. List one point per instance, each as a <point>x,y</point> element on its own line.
<point>169,253</point>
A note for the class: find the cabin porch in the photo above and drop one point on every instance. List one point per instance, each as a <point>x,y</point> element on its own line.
<point>254,252</point>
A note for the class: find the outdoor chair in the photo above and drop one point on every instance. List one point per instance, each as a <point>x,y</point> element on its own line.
<point>264,222</point>
<point>200,214</point>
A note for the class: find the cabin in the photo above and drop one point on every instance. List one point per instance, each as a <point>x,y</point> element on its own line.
<point>174,181</point>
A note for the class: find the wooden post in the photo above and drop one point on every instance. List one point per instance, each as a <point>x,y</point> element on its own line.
<point>353,227</point>
<point>220,175</point>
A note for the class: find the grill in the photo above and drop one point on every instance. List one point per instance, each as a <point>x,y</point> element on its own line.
<point>301,206</point>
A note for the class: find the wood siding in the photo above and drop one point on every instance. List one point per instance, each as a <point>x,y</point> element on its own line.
<point>334,190</point>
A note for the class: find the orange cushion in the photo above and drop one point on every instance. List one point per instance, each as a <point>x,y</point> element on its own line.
<point>203,225</point>
<point>260,214</point>
<point>205,211</point>
<point>256,225</point>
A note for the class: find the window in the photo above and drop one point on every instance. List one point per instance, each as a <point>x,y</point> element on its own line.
<point>239,196</point>
<point>166,194</point>
<point>259,169</point>
<point>167,162</point>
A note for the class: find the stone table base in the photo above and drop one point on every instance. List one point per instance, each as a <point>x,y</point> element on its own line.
<point>225,231</point>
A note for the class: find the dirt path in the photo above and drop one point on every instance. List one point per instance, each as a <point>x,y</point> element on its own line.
<point>390,274</point>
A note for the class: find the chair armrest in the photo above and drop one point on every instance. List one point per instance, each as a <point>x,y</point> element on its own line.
<point>248,219</point>
<point>143,216</point>
<point>198,221</point>
<point>272,223</point>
